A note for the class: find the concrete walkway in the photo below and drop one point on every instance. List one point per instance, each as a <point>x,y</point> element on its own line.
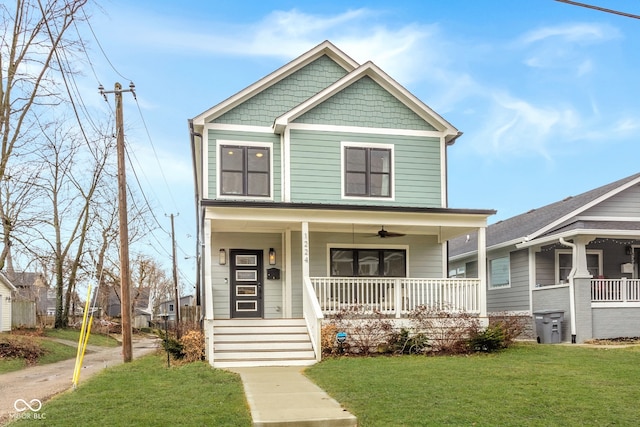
<point>283,396</point>
<point>41,382</point>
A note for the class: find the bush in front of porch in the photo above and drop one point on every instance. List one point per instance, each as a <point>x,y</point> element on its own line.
<point>426,331</point>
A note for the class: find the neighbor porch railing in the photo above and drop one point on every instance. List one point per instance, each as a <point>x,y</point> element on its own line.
<point>615,290</point>
<point>396,296</point>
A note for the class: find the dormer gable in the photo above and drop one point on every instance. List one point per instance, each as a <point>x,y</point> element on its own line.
<point>326,55</point>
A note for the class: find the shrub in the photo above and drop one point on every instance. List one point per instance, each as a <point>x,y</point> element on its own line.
<point>328,339</point>
<point>192,346</point>
<point>448,331</point>
<point>490,339</point>
<point>368,331</point>
<point>404,342</point>
<point>512,326</point>
<point>21,347</point>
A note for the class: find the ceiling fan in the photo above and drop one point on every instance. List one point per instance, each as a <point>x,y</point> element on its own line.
<point>382,233</point>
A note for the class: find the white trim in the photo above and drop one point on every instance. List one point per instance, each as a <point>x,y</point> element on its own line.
<point>558,252</point>
<point>239,128</point>
<point>392,174</point>
<point>363,130</point>
<point>369,69</point>
<point>569,234</point>
<point>221,142</point>
<point>627,304</point>
<point>286,166</point>
<point>532,275</point>
<point>205,166</point>
<point>490,286</point>
<point>608,218</point>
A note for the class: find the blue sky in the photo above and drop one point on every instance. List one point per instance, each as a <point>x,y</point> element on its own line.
<point>547,94</point>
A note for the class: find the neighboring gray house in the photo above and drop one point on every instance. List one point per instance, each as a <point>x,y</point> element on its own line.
<point>580,255</point>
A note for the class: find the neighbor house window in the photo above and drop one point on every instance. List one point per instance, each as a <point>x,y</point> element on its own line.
<point>564,264</point>
<point>245,170</point>
<point>368,262</point>
<point>499,273</point>
<point>368,171</point>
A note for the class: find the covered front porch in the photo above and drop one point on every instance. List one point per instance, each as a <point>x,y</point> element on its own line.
<point>330,257</point>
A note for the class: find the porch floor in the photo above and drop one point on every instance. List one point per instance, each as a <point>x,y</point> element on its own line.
<point>283,396</point>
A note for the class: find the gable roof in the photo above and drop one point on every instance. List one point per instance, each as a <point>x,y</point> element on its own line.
<point>325,48</point>
<point>369,69</point>
<point>6,282</point>
<point>538,222</point>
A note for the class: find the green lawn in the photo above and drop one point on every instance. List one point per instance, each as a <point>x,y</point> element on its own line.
<point>55,352</point>
<point>74,335</point>
<point>528,385</point>
<point>146,393</point>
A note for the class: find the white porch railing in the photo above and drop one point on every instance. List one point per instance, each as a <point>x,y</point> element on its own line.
<point>615,290</point>
<point>396,296</point>
<point>313,317</point>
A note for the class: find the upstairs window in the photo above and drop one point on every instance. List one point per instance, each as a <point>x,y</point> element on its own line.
<point>368,262</point>
<point>245,171</point>
<point>368,171</point>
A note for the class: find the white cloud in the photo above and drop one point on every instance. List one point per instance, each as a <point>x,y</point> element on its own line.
<point>579,33</point>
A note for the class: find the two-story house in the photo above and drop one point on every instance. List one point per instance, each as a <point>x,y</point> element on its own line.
<point>321,186</point>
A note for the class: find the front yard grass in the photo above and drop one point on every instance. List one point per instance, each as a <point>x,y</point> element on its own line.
<point>147,393</point>
<point>74,335</point>
<point>527,385</point>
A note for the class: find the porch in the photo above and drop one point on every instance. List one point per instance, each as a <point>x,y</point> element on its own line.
<point>396,297</point>
<point>621,290</point>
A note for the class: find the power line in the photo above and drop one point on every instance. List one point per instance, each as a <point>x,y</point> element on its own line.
<point>601,9</point>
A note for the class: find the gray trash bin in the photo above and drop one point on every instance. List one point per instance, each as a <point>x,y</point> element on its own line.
<point>549,326</point>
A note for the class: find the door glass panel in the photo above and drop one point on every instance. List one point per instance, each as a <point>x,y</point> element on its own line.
<point>246,260</point>
<point>368,263</point>
<point>246,275</point>
<point>341,262</point>
<point>246,290</point>
<point>246,306</point>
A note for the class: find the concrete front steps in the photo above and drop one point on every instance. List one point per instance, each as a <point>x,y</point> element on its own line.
<point>261,342</point>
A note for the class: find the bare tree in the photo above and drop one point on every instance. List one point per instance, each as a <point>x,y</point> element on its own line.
<point>31,34</point>
<point>73,172</point>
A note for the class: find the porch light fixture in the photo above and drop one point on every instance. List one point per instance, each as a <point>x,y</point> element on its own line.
<point>272,256</point>
<point>628,249</point>
<point>222,257</point>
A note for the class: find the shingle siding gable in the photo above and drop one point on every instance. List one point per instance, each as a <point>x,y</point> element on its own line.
<point>365,104</point>
<point>263,108</point>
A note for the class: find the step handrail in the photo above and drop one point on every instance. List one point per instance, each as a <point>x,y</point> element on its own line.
<point>313,316</point>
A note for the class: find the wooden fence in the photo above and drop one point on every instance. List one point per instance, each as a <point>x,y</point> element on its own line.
<point>23,314</point>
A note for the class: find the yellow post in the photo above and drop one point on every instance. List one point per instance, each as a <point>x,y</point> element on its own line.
<point>82,340</point>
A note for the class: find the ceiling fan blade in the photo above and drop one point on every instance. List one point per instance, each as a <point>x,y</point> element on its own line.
<point>384,233</point>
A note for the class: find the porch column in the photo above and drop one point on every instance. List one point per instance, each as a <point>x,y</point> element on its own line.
<point>207,306</point>
<point>288,281</point>
<point>581,282</point>
<point>305,249</point>
<point>482,271</point>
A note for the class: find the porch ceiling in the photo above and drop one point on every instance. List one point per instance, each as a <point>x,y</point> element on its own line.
<point>445,224</point>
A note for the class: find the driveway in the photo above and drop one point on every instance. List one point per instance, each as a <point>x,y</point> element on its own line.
<point>40,383</point>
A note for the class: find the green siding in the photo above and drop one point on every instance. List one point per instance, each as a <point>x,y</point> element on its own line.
<point>263,108</point>
<point>365,104</point>
<point>215,135</point>
<point>315,168</point>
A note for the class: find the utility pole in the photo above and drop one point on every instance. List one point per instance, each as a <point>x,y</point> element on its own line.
<point>125,293</point>
<point>175,278</point>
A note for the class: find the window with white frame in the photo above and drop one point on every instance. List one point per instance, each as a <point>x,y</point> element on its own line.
<point>367,170</point>
<point>457,273</point>
<point>369,262</point>
<point>499,274</point>
<point>564,264</point>
<point>245,170</point>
